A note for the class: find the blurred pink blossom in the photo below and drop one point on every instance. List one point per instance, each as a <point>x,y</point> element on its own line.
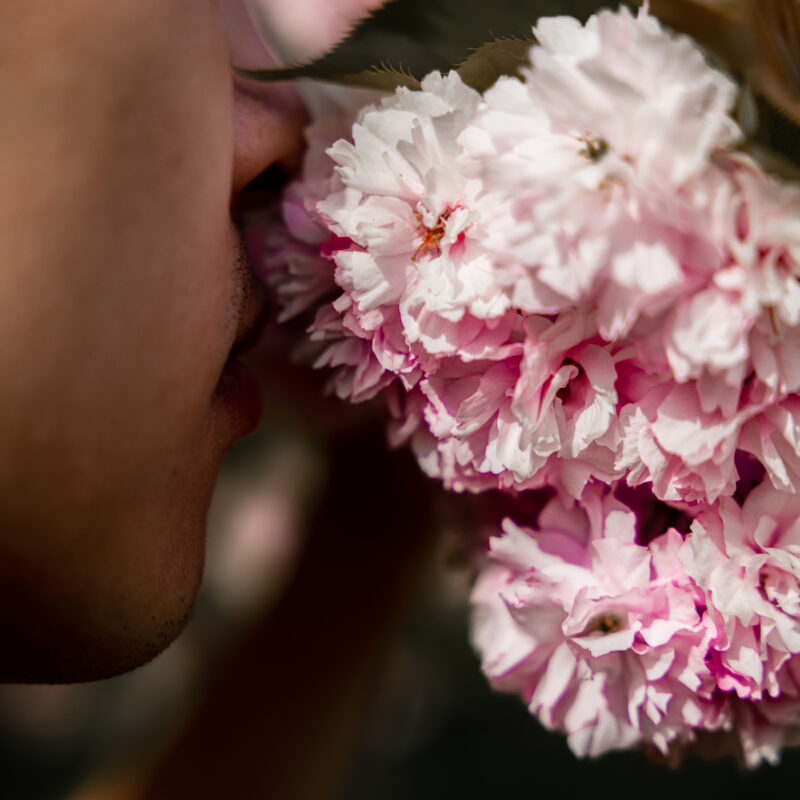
<point>604,638</point>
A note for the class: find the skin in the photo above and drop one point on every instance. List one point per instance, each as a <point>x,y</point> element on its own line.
<point>125,143</point>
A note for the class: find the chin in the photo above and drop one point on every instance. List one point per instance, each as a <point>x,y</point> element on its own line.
<point>102,576</point>
<point>62,657</point>
<point>61,641</point>
<point>107,598</point>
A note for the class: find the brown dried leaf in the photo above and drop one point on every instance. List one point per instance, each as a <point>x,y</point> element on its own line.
<point>775,71</point>
<point>777,29</point>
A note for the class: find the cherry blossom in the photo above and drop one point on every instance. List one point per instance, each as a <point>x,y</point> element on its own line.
<point>604,638</point>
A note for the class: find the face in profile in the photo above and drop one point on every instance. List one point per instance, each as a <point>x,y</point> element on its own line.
<point>124,300</point>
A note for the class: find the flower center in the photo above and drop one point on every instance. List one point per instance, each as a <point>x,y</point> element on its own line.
<point>431,237</point>
<point>595,148</point>
<point>604,623</point>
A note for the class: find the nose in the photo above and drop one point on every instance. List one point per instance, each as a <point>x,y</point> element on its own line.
<point>268,118</point>
<point>268,130</point>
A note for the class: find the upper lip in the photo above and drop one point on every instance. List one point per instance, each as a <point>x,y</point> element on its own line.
<point>253,311</point>
<point>254,318</point>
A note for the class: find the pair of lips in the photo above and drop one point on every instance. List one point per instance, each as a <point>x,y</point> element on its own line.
<point>253,316</point>
<point>253,302</point>
<point>237,389</point>
<point>237,386</point>
<point>260,192</point>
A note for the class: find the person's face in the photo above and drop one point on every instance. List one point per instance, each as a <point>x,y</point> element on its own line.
<point>124,143</point>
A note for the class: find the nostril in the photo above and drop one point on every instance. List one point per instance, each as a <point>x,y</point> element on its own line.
<point>273,177</point>
<point>261,191</point>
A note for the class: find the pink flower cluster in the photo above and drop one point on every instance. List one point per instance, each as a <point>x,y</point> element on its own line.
<point>576,281</point>
<point>571,277</point>
<point>610,638</point>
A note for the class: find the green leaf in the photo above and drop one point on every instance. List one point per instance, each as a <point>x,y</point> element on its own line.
<point>414,37</point>
<point>381,77</point>
<point>490,61</point>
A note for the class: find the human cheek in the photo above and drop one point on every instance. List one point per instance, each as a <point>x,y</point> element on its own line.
<point>117,185</point>
<point>117,291</point>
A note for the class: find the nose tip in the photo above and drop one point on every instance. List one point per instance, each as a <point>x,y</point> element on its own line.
<point>268,130</point>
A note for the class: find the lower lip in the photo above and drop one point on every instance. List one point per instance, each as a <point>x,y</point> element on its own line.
<point>239,393</point>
